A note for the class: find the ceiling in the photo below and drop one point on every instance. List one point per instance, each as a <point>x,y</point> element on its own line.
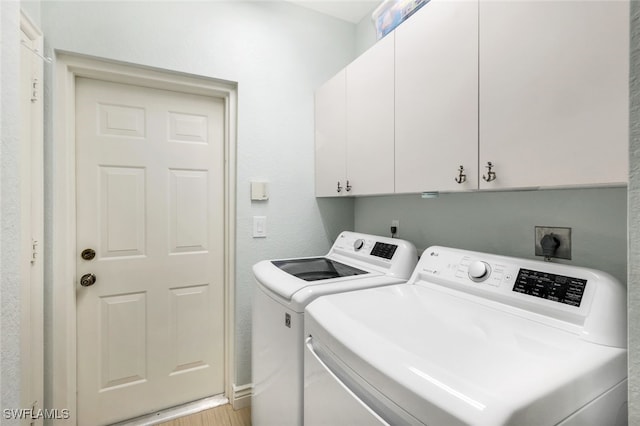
<point>348,10</point>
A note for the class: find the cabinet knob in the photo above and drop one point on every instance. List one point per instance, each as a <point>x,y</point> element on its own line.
<point>461,176</point>
<point>339,188</point>
<point>491,175</point>
<point>348,187</point>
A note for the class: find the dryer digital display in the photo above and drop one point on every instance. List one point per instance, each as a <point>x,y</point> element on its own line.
<point>558,288</point>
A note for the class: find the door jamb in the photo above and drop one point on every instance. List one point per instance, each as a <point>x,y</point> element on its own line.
<point>32,223</point>
<point>68,67</point>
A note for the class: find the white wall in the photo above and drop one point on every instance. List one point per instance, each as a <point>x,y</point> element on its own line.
<point>278,53</point>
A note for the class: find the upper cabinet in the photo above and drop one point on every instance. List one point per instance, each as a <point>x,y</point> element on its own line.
<point>487,94</point>
<point>370,120</point>
<point>554,93</point>
<point>354,127</point>
<point>331,137</point>
<point>436,98</point>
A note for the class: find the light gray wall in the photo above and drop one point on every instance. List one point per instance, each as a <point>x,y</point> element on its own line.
<point>634,221</point>
<point>31,8</point>
<point>278,53</point>
<point>503,222</point>
<point>9,207</point>
<point>365,35</point>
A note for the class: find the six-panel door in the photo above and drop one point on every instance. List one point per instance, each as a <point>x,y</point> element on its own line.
<point>150,203</point>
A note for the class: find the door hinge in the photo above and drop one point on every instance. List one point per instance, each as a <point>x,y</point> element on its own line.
<point>34,251</point>
<point>34,93</point>
<point>34,407</point>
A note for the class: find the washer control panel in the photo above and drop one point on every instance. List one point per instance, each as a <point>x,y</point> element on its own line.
<point>391,256</point>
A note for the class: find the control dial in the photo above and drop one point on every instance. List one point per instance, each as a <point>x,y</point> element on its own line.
<point>358,244</point>
<point>479,271</point>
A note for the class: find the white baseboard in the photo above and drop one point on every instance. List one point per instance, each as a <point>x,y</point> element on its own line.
<point>241,397</point>
<point>175,412</point>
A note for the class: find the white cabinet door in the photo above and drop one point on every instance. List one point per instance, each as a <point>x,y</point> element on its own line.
<point>331,137</point>
<point>554,92</point>
<point>370,111</point>
<point>436,99</point>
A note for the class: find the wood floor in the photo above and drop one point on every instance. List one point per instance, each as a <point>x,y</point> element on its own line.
<point>223,415</point>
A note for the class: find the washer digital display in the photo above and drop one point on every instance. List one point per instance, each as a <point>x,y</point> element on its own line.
<point>557,288</point>
<point>383,250</point>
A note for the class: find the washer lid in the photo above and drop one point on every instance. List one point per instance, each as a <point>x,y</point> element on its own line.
<point>317,268</point>
<point>283,281</point>
<point>448,360</point>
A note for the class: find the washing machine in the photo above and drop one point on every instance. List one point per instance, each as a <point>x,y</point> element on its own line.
<point>471,339</point>
<point>284,288</point>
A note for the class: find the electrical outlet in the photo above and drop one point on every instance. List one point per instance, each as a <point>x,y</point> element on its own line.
<point>394,227</point>
<point>562,234</point>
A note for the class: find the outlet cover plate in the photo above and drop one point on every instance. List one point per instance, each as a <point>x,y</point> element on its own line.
<point>562,234</point>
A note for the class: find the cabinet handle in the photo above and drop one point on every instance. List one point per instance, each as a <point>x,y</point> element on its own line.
<point>348,187</point>
<point>491,175</point>
<point>461,177</point>
<point>339,188</point>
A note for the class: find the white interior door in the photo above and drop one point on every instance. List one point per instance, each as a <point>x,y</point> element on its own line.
<point>149,184</point>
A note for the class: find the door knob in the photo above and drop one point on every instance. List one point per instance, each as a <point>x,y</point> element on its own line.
<point>87,280</point>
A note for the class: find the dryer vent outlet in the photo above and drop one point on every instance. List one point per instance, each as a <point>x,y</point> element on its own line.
<point>553,242</point>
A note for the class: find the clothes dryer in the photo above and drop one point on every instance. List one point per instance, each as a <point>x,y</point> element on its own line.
<point>471,339</point>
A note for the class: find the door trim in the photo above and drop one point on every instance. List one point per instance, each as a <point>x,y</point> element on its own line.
<point>68,67</point>
<point>32,223</point>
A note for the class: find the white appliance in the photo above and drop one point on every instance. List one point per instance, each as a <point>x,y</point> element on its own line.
<point>471,338</point>
<point>284,288</point>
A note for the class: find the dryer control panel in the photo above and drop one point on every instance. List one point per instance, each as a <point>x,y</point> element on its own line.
<point>591,302</point>
<point>554,287</point>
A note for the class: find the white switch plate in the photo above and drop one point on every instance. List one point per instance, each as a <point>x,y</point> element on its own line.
<point>259,226</point>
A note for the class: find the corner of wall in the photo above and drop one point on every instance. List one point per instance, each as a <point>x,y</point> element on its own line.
<point>365,35</point>
<point>633,280</point>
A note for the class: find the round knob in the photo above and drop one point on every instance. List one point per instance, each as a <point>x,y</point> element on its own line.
<point>479,271</point>
<point>88,254</point>
<point>358,244</point>
<point>87,280</point>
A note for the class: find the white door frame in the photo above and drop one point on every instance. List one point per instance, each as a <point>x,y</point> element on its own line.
<point>31,230</point>
<point>64,280</point>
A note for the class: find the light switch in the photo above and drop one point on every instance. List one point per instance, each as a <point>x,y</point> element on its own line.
<point>259,226</point>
